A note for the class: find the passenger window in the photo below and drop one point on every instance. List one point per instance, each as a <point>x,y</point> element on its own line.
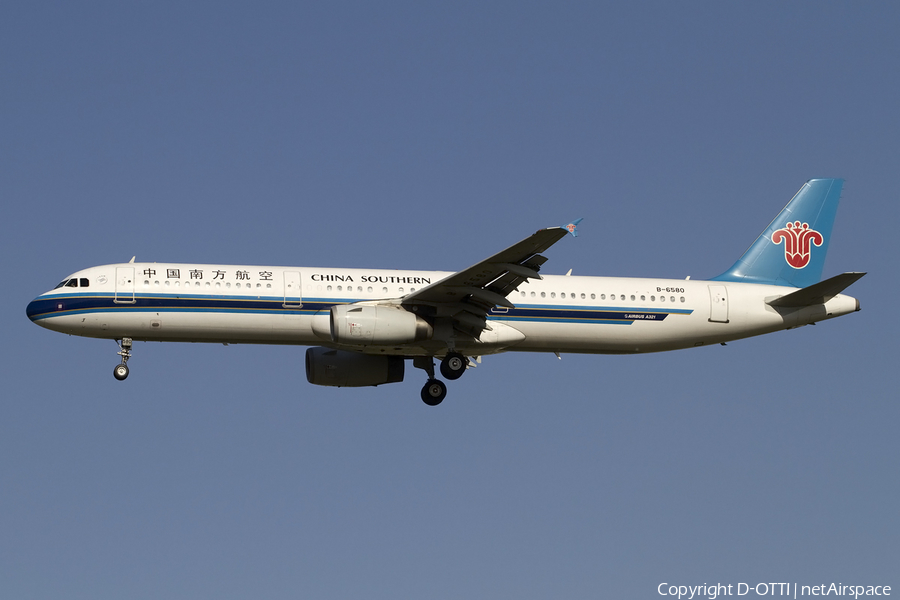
<point>83,282</point>
<point>369,289</point>
<point>553,294</point>
<point>622,297</point>
<point>682,298</point>
<point>632,297</point>
<point>594,296</point>
<point>543,294</point>
<point>652,298</point>
<point>643,297</point>
<point>671,298</point>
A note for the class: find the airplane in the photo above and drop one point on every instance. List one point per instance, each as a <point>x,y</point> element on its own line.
<point>364,324</point>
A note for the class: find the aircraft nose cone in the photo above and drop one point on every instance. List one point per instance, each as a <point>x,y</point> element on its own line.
<point>33,309</point>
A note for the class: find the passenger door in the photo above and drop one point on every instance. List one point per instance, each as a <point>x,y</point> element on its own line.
<point>718,304</point>
<point>124,285</point>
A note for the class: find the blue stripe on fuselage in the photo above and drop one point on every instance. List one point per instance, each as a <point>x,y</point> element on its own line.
<point>68,304</point>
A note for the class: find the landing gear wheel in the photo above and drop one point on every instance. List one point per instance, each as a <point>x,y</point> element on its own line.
<point>453,366</point>
<point>434,392</point>
<point>120,372</point>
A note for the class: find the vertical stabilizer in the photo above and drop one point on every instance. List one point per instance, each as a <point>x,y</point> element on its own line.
<point>791,251</point>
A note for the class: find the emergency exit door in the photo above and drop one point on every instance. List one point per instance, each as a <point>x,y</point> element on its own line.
<point>292,294</point>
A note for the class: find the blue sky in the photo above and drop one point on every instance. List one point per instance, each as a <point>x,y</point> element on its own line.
<point>429,136</point>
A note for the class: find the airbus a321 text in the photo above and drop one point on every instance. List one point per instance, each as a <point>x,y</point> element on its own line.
<point>366,323</point>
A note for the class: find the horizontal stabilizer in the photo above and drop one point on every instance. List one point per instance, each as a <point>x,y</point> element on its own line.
<point>818,293</point>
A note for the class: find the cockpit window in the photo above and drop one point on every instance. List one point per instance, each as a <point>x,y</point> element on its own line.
<point>83,282</point>
<point>72,283</point>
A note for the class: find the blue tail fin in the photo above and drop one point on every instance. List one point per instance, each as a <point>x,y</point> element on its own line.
<point>791,251</point>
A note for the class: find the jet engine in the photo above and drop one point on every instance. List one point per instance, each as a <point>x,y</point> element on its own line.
<point>341,368</point>
<point>377,325</point>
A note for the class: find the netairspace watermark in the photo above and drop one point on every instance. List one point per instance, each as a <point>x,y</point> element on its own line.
<point>714,590</point>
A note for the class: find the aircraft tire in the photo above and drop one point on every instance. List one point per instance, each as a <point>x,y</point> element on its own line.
<point>453,366</point>
<point>434,392</point>
<point>120,372</point>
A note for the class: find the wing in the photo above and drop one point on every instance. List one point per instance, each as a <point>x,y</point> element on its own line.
<point>467,296</point>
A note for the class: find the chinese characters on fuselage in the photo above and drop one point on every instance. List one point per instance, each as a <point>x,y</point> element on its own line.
<point>216,274</point>
<point>243,275</point>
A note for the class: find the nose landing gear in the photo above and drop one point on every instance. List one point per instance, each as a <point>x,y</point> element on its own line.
<point>121,370</point>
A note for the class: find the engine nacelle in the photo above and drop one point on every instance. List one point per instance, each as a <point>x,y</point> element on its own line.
<point>341,368</point>
<point>377,325</point>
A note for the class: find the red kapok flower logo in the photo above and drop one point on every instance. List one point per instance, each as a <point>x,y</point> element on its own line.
<point>798,239</point>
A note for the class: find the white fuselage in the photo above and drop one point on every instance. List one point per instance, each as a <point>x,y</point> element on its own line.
<point>290,305</point>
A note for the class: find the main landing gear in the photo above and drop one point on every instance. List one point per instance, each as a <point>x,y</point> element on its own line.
<point>452,367</point>
<point>434,392</point>
<point>121,370</point>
